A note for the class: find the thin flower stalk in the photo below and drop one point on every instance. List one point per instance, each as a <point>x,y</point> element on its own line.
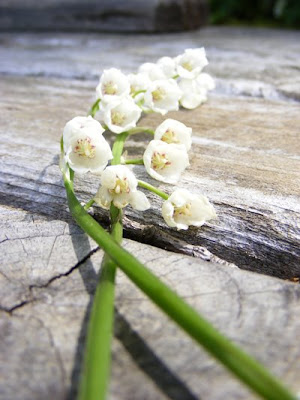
<point>153,189</point>
<point>247,369</point>
<point>141,129</point>
<point>97,360</point>
<point>94,108</point>
<point>89,204</point>
<point>120,101</point>
<point>96,367</point>
<point>136,161</point>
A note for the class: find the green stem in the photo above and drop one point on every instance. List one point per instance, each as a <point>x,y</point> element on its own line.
<point>89,204</point>
<point>94,108</point>
<point>153,189</point>
<point>96,368</point>
<point>242,365</point>
<point>138,92</point>
<point>141,129</point>
<point>118,148</point>
<point>138,161</point>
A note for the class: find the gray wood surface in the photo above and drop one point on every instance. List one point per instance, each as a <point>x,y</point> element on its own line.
<point>103,15</point>
<point>245,158</point>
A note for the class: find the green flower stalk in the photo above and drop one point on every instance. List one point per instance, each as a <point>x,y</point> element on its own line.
<point>236,360</point>
<point>96,366</point>
<point>84,149</point>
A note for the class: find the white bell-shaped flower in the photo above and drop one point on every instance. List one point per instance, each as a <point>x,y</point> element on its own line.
<point>191,63</point>
<point>152,70</point>
<point>138,82</point>
<point>205,81</point>
<point>119,186</point>
<point>168,65</point>
<point>183,209</point>
<point>172,131</point>
<point>113,85</point>
<point>192,94</point>
<point>163,96</point>
<point>80,124</point>
<point>165,162</point>
<point>121,115</point>
<point>85,148</point>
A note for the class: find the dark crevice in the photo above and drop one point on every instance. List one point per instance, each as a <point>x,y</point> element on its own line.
<point>69,272</point>
<point>10,310</point>
<point>32,299</point>
<point>252,241</point>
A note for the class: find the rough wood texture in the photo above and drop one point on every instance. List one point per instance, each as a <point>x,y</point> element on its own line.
<point>245,158</point>
<point>236,162</point>
<point>260,63</point>
<point>103,15</point>
<point>47,304</point>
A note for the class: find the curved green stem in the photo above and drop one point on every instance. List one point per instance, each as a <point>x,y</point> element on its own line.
<point>94,108</point>
<point>138,161</point>
<point>242,365</point>
<point>153,189</point>
<point>96,367</point>
<point>138,92</point>
<point>141,129</point>
<point>118,148</point>
<point>89,204</point>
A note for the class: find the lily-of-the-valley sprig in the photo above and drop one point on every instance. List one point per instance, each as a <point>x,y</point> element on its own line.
<point>121,99</point>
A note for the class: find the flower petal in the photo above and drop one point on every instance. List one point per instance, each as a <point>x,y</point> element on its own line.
<point>139,201</point>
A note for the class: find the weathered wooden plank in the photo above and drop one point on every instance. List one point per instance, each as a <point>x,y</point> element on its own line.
<point>103,15</point>
<point>47,293</point>
<point>245,159</point>
<point>237,162</point>
<point>249,62</point>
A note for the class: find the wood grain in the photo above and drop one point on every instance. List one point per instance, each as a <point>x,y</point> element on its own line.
<point>245,158</point>
<point>237,162</point>
<point>47,292</point>
<point>103,16</point>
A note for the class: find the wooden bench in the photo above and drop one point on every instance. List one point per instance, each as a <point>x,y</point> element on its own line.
<point>245,158</point>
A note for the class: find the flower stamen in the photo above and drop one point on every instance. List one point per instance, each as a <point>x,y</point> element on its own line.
<point>117,118</point>
<point>121,186</point>
<point>159,161</point>
<point>110,88</point>
<point>158,94</point>
<point>185,210</point>
<point>169,137</point>
<point>84,148</point>
<point>187,65</point>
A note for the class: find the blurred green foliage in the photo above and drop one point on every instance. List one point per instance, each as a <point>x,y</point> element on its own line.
<point>285,13</point>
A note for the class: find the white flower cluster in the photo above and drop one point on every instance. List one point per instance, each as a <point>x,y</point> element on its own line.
<point>165,159</point>
<point>157,87</point>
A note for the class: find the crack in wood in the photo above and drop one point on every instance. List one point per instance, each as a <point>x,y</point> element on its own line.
<point>31,287</point>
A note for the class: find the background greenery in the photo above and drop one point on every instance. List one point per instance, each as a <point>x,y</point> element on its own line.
<point>284,13</point>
